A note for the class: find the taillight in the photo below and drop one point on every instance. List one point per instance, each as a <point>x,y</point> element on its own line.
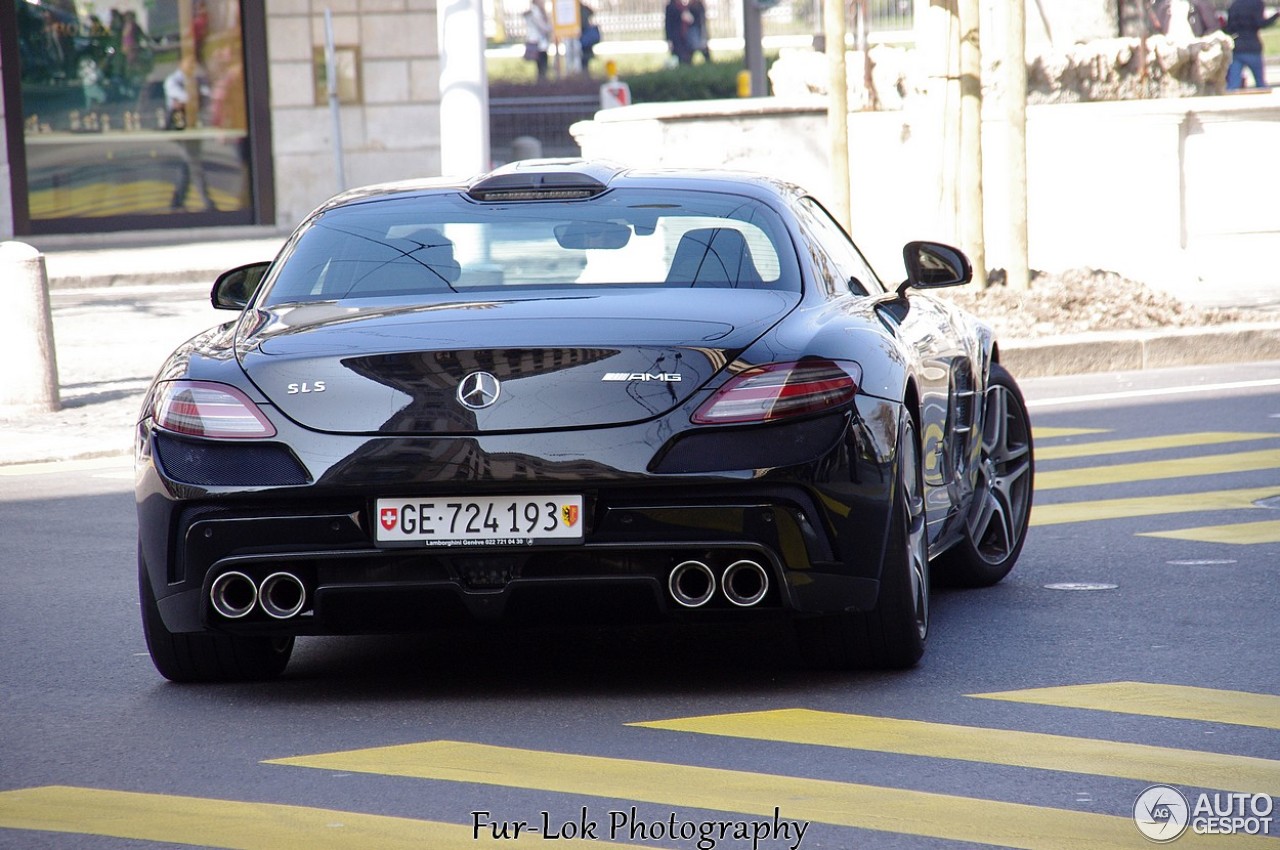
<point>779,390</point>
<point>205,409</point>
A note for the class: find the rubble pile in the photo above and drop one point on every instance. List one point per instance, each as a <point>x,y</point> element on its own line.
<point>1098,70</point>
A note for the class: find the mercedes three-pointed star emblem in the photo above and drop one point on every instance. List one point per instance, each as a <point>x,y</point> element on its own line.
<point>478,390</point>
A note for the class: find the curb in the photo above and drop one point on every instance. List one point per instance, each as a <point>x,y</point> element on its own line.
<point>1078,354</point>
<point>180,263</point>
<point>111,280</point>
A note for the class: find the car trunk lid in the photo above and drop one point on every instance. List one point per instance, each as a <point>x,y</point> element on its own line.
<point>551,363</point>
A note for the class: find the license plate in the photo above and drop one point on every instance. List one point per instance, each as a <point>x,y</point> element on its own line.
<point>496,521</point>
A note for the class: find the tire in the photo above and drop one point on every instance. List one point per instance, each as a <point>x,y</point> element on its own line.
<point>996,526</point>
<point>891,635</point>
<point>202,657</point>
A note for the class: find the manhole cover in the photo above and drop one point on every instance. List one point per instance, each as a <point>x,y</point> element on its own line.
<point>1081,585</point>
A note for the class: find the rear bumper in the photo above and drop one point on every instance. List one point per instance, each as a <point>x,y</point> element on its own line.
<point>811,533</point>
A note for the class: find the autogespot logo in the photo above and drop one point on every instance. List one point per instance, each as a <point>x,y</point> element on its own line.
<point>1161,813</point>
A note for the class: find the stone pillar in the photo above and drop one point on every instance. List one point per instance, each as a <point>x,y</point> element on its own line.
<point>28,367</point>
<point>464,93</point>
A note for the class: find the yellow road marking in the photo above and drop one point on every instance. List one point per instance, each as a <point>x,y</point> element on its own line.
<point>1049,433</point>
<point>991,746</point>
<point>1156,470</point>
<point>231,824</point>
<point>1242,533</point>
<point>1180,701</point>
<point>814,800</point>
<point>1216,500</point>
<point>1143,444</point>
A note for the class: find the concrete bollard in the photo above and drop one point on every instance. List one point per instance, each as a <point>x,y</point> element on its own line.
<point>526,147</point>
<point>29,377</point>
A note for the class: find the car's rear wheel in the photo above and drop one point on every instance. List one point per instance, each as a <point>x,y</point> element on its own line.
<point>207,657</point>
<point>891,635</point>
<point>996,526</point>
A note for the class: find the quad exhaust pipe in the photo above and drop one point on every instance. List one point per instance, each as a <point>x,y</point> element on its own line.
<point>692,584</point>
<point>744,583</point>
<point>233,595</point>
<point>280,595</point>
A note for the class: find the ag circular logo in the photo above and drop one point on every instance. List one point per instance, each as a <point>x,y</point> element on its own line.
<point>479,390</point>
<point>1161,813</point>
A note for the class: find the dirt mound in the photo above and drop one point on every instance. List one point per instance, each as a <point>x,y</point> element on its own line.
<point>1082,300</point>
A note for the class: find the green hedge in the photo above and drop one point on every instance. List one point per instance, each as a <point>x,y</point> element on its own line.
<point>700,81</point>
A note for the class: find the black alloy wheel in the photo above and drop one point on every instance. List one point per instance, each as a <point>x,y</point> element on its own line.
<point>996,526</point>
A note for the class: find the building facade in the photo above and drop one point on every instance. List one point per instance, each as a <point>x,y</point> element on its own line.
<point>146,115</point>
<point>162,114</point>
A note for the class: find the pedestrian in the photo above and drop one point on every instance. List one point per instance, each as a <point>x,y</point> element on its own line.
<point>186,92</point>
<point>537,36</point>
<point>1244,19</point>
<point>682,24</point>
<point>1201,16</point>
<point>590,36</point>
<point>699,36</point>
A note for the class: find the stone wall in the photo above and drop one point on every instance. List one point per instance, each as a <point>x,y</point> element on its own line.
<point>1137,187</point>
<point>392,134</point>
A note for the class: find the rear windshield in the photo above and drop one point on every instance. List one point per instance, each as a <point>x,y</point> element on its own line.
<point>432,246</point>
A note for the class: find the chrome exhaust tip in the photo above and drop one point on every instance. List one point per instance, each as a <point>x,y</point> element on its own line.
<point>233,595</point>
<point>745,583</point>
<point>692,584</point>
<point>282,595</point>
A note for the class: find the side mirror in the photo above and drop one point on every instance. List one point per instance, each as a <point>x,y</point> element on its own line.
<point>233,289</point>
<point>932,265</point>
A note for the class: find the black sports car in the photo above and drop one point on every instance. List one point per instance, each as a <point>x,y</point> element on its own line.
<point>566,389</point>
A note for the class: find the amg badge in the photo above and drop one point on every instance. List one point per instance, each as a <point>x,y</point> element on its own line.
<point>665,377</point>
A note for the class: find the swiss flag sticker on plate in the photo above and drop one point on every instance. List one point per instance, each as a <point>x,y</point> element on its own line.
<point>389,517</point>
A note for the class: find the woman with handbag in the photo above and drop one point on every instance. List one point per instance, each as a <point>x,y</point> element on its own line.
<point>537,35</point>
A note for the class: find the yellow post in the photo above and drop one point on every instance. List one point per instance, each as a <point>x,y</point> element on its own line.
<point>744,83</point>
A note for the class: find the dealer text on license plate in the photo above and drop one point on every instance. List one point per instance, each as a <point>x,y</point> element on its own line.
<point>502,520</point>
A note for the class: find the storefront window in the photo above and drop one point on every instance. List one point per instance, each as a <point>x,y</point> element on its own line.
<point>134,109</point>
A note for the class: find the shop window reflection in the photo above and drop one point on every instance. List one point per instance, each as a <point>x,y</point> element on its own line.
<point>136,110</point>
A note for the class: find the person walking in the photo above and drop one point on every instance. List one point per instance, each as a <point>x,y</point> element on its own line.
<point>698,35</point>
<point>1244,19</point>
<point>186,92</point>
<point>537,36</point>
<point>590,35</point>
<point>682,25</point>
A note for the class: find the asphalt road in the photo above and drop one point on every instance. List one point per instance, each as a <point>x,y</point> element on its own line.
<point>1134,644</point>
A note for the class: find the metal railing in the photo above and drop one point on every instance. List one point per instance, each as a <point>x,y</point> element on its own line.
<point>545,118</point>
<point>635,20</point>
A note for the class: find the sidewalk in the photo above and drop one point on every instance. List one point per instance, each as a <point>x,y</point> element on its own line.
<point>118,311</point>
